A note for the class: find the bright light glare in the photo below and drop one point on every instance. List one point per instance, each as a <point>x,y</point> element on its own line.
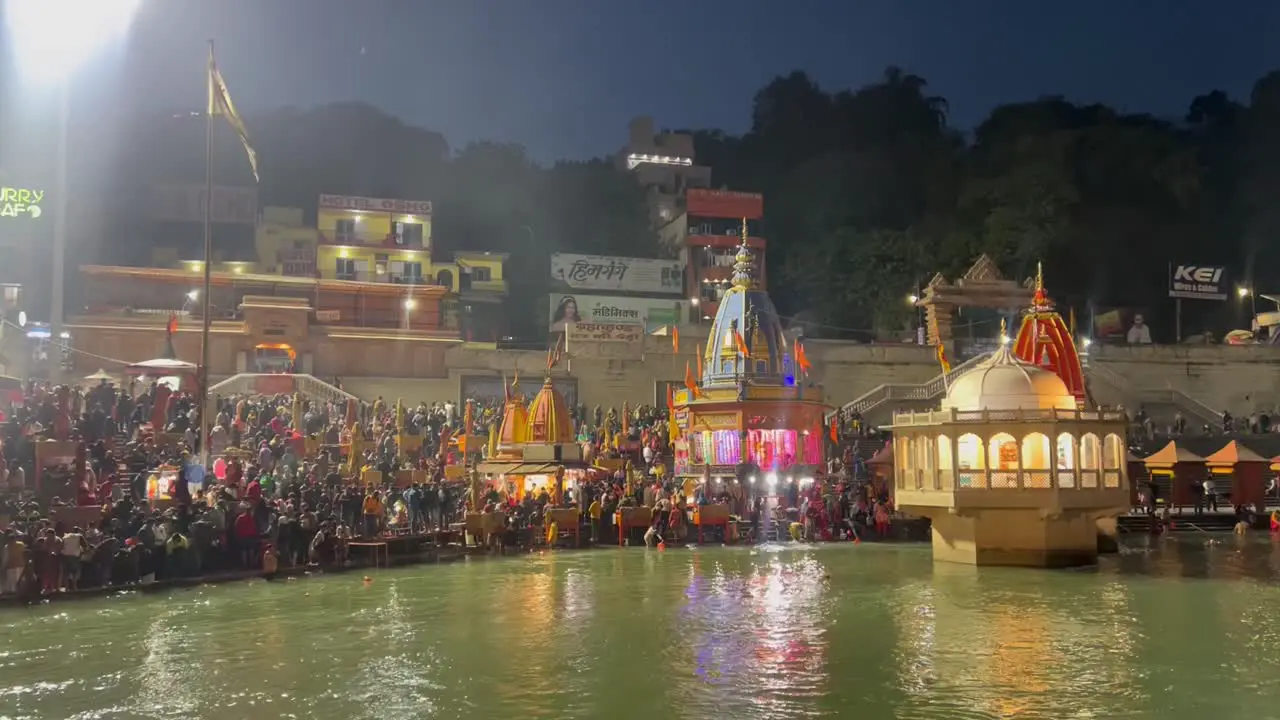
<point>771,479</point>
<point>193,294</point>
<point>1242,291</point>
<point>51,39</point>
<point>410,304</point>
<point>913,299</point>
<point>1087,342</point>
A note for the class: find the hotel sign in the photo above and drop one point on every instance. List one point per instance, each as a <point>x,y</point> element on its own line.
<point>651,314</point>
<point>20,203</point>
<point>617,274</point>
<point>378,205</point>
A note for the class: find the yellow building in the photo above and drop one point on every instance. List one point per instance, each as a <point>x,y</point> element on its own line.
<point>374,239</point>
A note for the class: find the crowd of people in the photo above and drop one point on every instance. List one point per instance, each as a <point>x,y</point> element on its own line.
<point>280,493</point>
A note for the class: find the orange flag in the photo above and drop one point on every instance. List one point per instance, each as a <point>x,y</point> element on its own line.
<point>698,350</point>
<point>675,339</point>
<point>942,358</point>
<point>834,431</point>
<point>742,344</point>
<point>671,398</point>
<point>172,327</point>
<point>802,360</point>
<point>689,381</point>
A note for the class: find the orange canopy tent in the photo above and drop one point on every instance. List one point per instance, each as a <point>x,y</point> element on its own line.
<point>1246,468</point>
<point>1182,467</point>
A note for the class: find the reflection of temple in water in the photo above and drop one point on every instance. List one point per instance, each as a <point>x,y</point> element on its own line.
<point>1018,648</point>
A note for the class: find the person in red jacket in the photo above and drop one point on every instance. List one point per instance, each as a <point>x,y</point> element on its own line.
<point>246,529</point>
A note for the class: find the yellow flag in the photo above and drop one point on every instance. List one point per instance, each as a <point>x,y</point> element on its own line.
<point>220,104</point>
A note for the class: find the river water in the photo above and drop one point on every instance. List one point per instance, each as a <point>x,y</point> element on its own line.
<point>1168,629</point>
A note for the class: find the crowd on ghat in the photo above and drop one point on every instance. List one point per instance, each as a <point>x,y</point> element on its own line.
<point>269,503</point>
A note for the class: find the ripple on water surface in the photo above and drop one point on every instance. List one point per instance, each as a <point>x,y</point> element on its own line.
<point>1168,630</point>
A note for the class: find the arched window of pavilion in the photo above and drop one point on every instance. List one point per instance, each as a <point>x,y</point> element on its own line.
<point>1035,452</point>
<point>1066,451</point>
<point>1090,452</point>
<point>1112,452</point>
<point>1002,452</point>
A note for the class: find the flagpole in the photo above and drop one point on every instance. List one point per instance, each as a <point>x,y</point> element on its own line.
<point>208,263</point>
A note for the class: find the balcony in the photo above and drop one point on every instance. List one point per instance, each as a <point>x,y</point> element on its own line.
<point>386,241</point>
<point>371,277</point>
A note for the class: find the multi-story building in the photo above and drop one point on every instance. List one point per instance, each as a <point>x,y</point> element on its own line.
<point>664,164</point>
<point>705,233</point>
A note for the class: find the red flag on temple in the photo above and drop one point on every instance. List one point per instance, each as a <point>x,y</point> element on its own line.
<point>172,327</point>
<point>675,339</point>
<point>689,381</point>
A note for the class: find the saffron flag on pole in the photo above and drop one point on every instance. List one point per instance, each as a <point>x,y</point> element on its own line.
<point>942,358</point>
<point>802,359</point>
<point>698,354</point>
<point>741,344</point>
<point>220,104</point>
<point>172,326</point>
<point>675,339</point>
<point>689,382</point>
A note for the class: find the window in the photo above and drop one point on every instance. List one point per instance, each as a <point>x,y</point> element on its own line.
<point>344,230</point>
<point>380,264</point>
<point>480,274</point>
<point>445,278</point>
<point>346,269</point>
<point>413,272</point>
<point>407,234</point>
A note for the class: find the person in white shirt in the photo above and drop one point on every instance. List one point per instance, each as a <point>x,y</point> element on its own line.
<point>1139,332</point>
<point>73,547</point>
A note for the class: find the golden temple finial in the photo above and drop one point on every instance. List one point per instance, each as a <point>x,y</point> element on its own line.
<point>1004,332</point>
<point>744,275</point>
<point>1039,275</point>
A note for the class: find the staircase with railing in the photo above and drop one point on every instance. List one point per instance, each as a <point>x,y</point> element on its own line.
<point>1153,400</point>
<point>908,392</point>
<point>277,384</point>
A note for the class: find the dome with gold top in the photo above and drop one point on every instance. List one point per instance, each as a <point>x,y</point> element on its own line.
<point>1005,382</point>
<point>549,420</point>
<point>746,341</point>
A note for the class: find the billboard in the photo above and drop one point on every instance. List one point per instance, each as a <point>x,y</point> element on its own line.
<point>617,274</point>
<point>382,205</point>
<point>232,205</point>
<point>20,203</point>
<point>724,204</point>
<point>1198,282</point>
<point>647,313</point>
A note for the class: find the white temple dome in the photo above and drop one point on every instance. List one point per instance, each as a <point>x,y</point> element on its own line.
<point>1005,382</point>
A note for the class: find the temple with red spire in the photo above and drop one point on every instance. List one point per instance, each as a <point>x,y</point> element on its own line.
<point>1045,340</point>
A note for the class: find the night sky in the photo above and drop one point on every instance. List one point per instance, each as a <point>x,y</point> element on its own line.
<point>563,77</point>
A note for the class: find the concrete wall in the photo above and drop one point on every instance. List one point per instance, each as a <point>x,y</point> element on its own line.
<point>1238,378</point>
<point>371,363</point>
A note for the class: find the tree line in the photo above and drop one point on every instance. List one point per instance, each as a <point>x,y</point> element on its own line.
<point>868,194</point>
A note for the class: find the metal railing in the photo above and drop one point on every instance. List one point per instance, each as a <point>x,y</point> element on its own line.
<point>1134,397</point>
<point>274,383</point>
<point>902,391</point>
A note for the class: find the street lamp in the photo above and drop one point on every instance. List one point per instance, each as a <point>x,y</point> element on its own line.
<point>51,39</point>
<point>1243,291</point>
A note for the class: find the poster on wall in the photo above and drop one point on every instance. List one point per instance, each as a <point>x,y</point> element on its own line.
<point>651,314</point>
<point>488,389</point>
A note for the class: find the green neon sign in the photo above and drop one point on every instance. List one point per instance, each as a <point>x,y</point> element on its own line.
<point>20,202</point>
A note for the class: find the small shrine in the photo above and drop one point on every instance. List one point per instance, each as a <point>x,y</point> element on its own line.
<point>746,418</point>
<point>1010,470</point>
<point>535,447</point>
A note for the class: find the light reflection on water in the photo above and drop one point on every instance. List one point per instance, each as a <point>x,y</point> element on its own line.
<point>1167,629</point>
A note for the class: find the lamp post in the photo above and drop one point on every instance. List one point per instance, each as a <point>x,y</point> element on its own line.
<point>51,40</point>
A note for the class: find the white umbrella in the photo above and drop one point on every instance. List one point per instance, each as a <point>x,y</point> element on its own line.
<point>100,375</point>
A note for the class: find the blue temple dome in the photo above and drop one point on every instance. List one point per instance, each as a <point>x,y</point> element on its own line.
<point>747,312</point>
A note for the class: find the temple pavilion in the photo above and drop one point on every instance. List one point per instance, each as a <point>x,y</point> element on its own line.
<point>1010,469</point>
<point>747,415</point>
<point>536,447</point>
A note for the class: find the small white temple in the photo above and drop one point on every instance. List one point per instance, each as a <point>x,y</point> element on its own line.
<point>1009,471</point>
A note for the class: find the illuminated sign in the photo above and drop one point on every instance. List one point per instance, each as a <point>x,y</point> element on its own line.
<point>20,202</point>
<point>386,205</point>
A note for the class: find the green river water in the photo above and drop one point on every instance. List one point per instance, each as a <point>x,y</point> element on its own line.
<point>1178,629</point>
